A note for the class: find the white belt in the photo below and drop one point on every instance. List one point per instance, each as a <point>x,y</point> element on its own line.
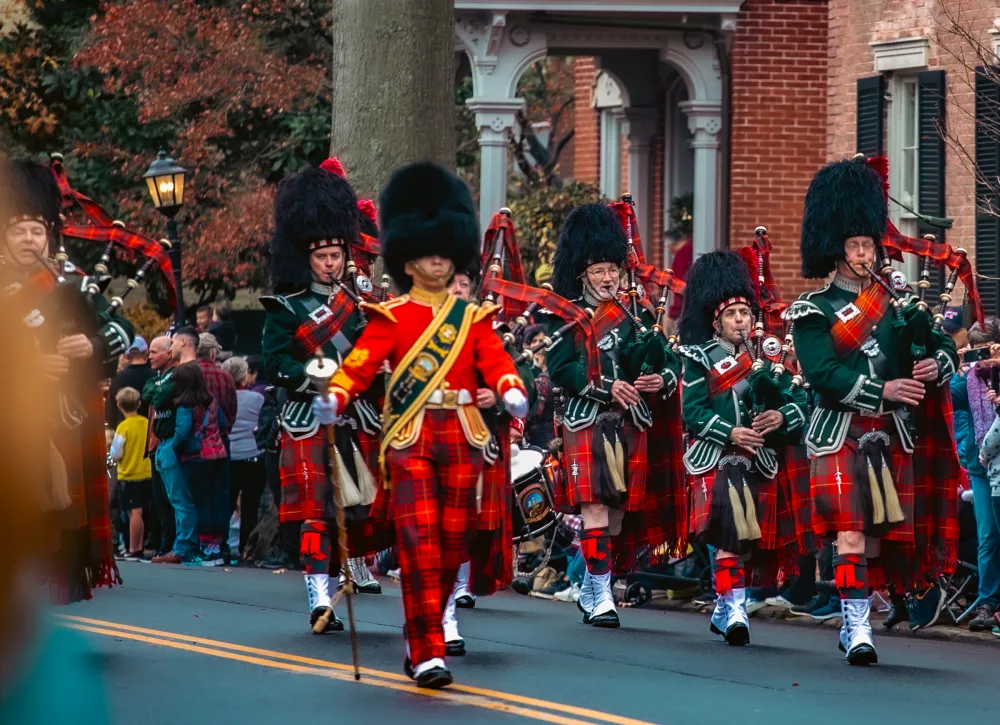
<point>452,397</point>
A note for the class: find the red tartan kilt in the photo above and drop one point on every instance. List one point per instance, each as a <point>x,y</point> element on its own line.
<point>794,508</point>
<point>495,505</point>
<point>837,503</point>
<point>305,483</point>
<point>700,502</point>
<point>578,455</point>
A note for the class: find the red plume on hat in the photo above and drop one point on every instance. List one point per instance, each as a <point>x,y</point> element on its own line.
<point>880,165</point>
<point>332,165</point>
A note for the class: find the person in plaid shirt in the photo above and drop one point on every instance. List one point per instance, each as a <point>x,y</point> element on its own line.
<point>315,220</point>
<point>861,434</point>
<point>433,434</point>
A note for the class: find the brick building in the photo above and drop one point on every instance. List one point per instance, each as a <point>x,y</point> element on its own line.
<point>777,60</point>
<point>898,74</point>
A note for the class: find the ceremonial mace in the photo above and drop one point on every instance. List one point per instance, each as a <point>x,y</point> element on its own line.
<point>319,370</point>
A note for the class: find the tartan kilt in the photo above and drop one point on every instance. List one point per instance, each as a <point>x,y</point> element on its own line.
<point>661,523</point>
<point>705,528</point>
<point>794,510</point>
<point>84,558</point>
<point>574,487</point>
<point>937,476</point>
<point>491,560</point>
<point>494,507</point>
<point>837,499</point>
<point>306,493</point>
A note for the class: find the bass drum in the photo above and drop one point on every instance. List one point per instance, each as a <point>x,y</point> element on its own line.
<point>533,510</point>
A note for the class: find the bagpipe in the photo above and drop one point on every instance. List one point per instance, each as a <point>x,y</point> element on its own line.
<point>765,380</point>
<point>914,324</point>
<point>97,225</point>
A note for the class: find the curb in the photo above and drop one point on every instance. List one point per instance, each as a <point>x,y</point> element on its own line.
<point>939,632</point>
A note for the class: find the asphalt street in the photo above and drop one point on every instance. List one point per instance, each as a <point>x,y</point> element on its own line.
<point>180,644</point>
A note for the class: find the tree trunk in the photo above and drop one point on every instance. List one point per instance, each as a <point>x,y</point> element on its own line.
<point>394,87</point>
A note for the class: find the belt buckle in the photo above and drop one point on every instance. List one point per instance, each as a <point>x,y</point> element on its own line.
<point>450,398</point>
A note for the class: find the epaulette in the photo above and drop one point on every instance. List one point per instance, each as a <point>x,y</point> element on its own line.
<point>277,302</point>
<point>383,309</point>
<point>697,353</point>
<point>802,308</point>
<point>485,310</point>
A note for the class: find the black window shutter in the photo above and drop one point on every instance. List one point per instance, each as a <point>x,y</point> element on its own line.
<point>871,115</point>
<point>988,161</point>
<point>930,160</point>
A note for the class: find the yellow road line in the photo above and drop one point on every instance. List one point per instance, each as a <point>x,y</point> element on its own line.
<point>370,673</point>
<point>411,688</point>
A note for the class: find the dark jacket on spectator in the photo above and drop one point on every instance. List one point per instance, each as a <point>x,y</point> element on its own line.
<point>133,376</point>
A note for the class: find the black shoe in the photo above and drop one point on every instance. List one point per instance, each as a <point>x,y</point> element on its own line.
<point>408,668</point>
<point>560,584</point>
<point>827,587</point>
<point>925,608</point>
<point>522,584</point>
<point>608,620</point>
<point>898,611</point>
<point>455,648</point>
<point>586,614</point>
<point>278,561</point>
<point>738,635</point>
<point>435,678</point>
<point>982,618</point>
<point>862,655</point>
<point>817,602</point>
<point>323,620</point>
<point>466,601</point>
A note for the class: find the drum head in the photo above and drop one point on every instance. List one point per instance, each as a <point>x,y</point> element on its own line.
<point>525,461</point>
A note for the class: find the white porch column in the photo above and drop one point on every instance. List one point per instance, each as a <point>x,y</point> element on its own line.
<point>494,118</point>
<point>705,122</point>
<point>611,152</point>
<point>640,128</point>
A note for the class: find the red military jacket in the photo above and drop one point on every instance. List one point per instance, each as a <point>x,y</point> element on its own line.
<point>394,328</point>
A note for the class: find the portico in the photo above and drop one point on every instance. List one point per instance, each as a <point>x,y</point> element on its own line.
<point>650,54</point>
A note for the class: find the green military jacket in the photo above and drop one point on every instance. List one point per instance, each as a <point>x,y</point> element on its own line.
<point>852,383</point>
<point>285,359</point>
<point>622,358</point>
<point>710,419</point>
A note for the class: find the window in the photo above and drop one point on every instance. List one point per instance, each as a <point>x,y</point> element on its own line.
<point>903,142</point>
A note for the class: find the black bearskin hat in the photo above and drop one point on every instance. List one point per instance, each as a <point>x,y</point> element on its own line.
<point>845,199</point>
<point>310,206</point>
<point>713,278</point>
<point>29,191</point>
<point>426,211</point>
<point>590,235</point>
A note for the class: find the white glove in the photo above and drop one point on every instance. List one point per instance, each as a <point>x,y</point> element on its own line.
<point>516,403</point>
<point>325,409</point>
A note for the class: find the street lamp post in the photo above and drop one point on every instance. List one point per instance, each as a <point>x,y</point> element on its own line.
<point>165,181</point>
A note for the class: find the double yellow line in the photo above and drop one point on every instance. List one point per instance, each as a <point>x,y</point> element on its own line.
<point>529,707</point>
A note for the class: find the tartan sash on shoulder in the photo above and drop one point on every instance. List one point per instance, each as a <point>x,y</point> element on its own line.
<point>722,377</point>
<point>324,322</point>
<point>854,321</point>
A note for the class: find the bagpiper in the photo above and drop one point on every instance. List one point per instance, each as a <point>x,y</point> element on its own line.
<point>860,436</point>
<point>604,447</point>
<point>316,306</point>
<point>438,348</point>
<point>80,340</point>
<point>740,410</point>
